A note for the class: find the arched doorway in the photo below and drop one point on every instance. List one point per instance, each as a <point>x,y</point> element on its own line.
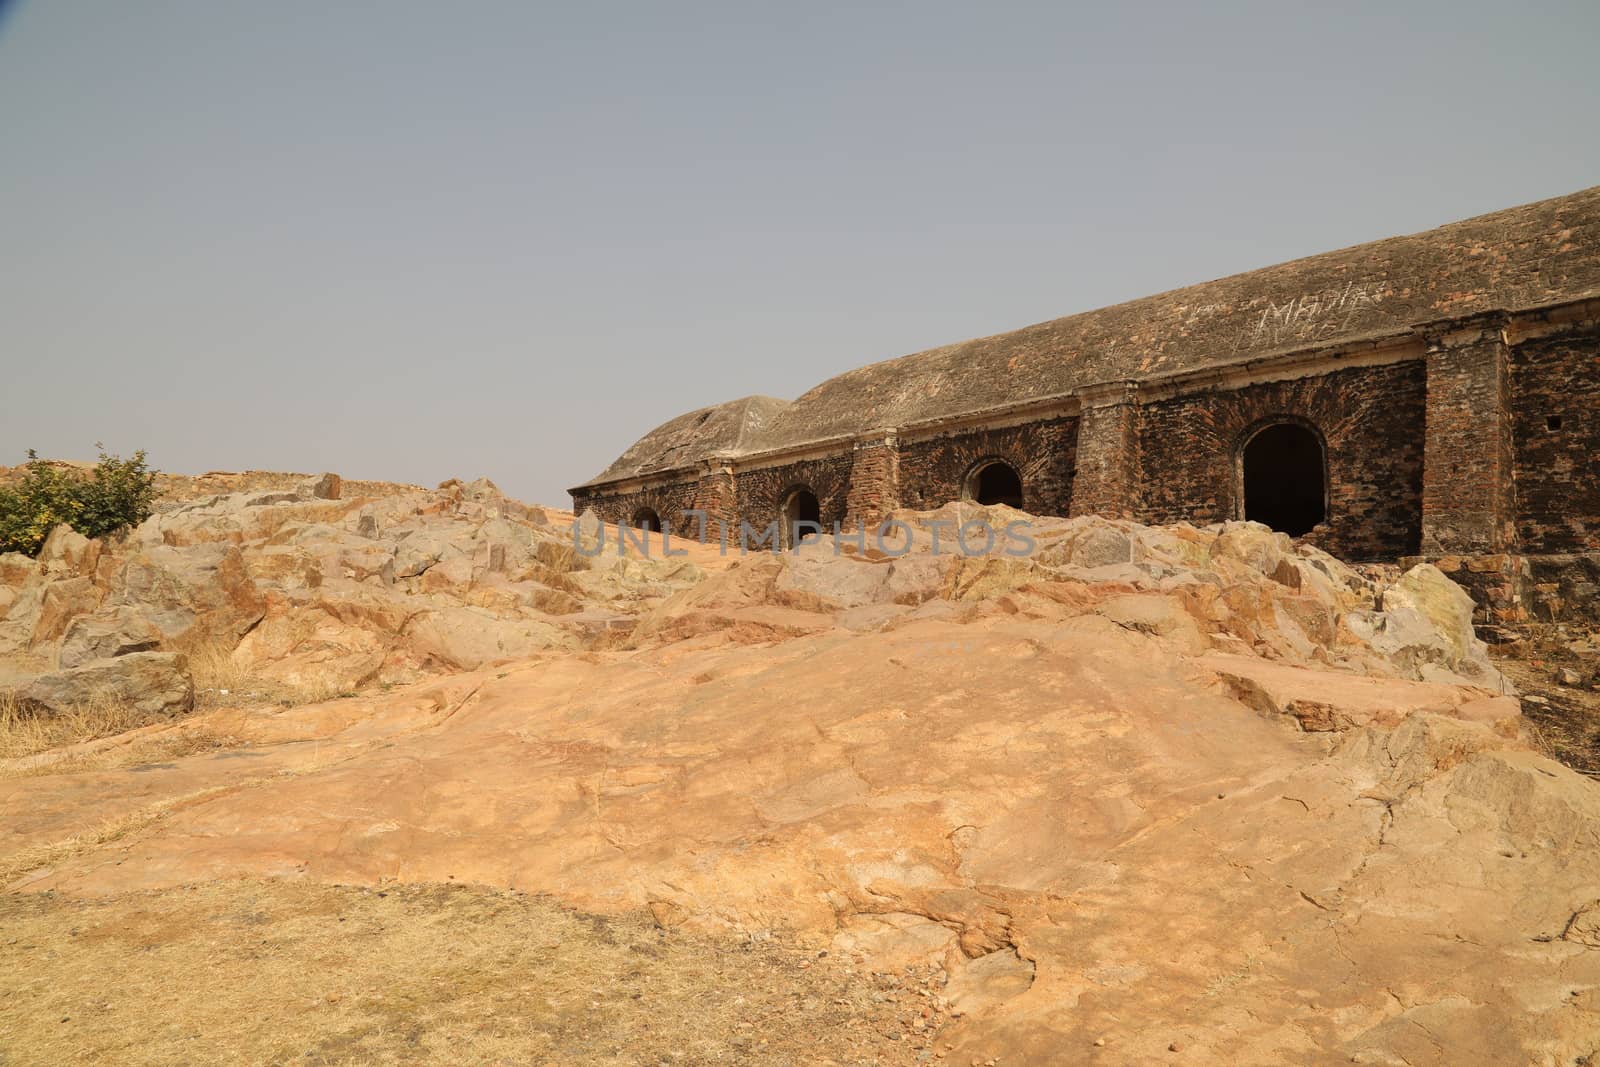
<point>1284,472</point>
<point>994,482</point>
<point>802,516</point>
<point>646,519</point>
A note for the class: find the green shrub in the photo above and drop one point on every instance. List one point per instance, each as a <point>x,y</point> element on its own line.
<point>116,494</point>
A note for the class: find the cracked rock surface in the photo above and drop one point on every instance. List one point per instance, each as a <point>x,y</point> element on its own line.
<point>1143,790</point>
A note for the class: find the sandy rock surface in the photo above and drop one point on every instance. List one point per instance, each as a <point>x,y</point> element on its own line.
<point>1143,795</point>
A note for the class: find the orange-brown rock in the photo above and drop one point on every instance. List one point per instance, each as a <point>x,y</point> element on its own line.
<point>1147,788</point>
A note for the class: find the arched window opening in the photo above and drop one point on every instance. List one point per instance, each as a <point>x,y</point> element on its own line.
<point>1285,479</point>
<point>995,482</point>
<point>802,517</point>
<point>646,519</point>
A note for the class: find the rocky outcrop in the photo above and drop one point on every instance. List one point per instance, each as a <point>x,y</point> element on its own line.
<point>1132,793</point>
<point>304,587</point>
<point>1427,624</point>
<point>149,683</point>
<point>1234,588</point>
<point>295,581</point>
<point>1114,817</point>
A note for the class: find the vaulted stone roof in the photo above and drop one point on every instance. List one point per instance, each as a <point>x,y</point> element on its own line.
<point>687,439</point>
<point>1536,254</point>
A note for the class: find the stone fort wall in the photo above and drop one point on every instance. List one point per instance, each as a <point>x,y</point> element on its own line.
<point>934,469</point>
<point>760,492</point>
<point>1474,442</point>
<point>1555,389</point>
<point>1369,420</point>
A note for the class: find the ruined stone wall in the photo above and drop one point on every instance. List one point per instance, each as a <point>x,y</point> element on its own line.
<point>1044,453</point>
<point>1400,439</point>
<point>1563,586</point>
<point>760,493</point>
<point>1371,419</point>
<point>1555,411</point>
<point>668,501</point>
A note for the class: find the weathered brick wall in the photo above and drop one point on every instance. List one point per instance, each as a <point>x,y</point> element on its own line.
<point>1556,428</point>
<point>1467,492</point>
<point>718,498</point>
<point>1107,481</point>
<point>874,481</point>
<point>668,501</point>
<point>712,493</point>
<point>760,493</point>
<point>1044,453</point>
<point>1371,419</point>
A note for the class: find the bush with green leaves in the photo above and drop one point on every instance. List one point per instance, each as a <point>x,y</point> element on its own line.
<point>116,494</point>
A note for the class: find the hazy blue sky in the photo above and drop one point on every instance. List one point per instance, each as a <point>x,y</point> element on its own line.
<point>421,240</point>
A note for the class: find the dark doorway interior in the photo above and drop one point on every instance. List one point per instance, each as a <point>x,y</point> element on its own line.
<point>1285,479</point>
<point>646,519</point>
<point>801,506</point>
<point>996,483</point>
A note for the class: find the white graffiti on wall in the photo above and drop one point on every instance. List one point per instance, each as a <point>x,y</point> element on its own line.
<point>1313,316</point>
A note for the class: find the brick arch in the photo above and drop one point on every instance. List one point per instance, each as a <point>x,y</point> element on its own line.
<point>976,469</point>
<point>934,471</point>
<point>760,494</point>
<point>1369,420</point>
<point>1310,499</point>
<point>668,501</point>
<point>1243,438</point>
<point>797,504</point>
<point>1279,418</point>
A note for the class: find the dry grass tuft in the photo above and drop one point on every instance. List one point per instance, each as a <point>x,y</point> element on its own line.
<point>25,732</point>
<point>212,666</point>
<point>134,751</point>
<point>219,681</point>
<point>424,974</point>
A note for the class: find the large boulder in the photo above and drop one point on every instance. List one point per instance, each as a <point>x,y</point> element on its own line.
<point>1089,543</point>
<point>328,487</point>
<point>1252,545</point>
<point>15,569</point>
<point>469,638</point>
<point>61,603</point>
<point>420,550</point>
<point>1425,590</point>
<point>67,552</point>
<point>150,683</point>
<point>20,605</point>
<point>840,580</point>
<point>321,648</point>
<point>193,592</point>
<point>117,631</point>
<point>1425,628</point>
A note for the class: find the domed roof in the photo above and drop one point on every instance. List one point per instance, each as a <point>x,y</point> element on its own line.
<point>687,439</point>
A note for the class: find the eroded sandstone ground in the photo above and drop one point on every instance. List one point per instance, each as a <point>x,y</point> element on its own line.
<point>1147,794</point>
